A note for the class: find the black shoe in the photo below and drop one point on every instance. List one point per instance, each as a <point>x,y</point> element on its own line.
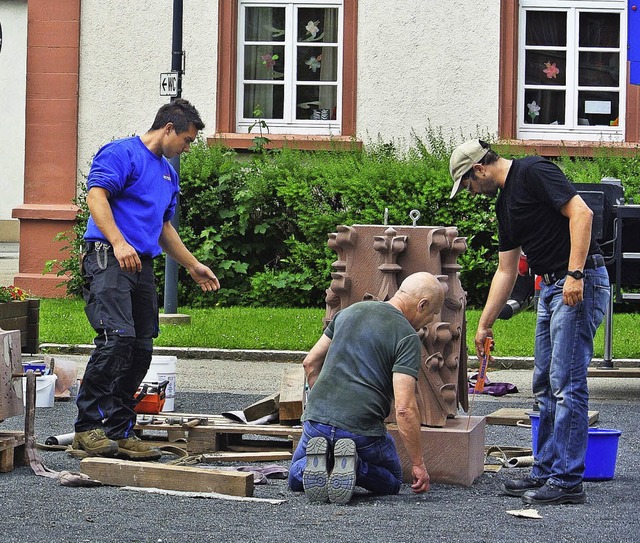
<point>551,494</point>
<point>517,487</point>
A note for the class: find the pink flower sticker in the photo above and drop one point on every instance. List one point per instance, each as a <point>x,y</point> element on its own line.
<point>551,70</point>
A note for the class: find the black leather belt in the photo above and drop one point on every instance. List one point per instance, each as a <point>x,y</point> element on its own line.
<point>91,246</point>
<point>592,262</point>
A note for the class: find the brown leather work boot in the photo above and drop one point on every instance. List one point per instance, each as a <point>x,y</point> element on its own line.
<point>94,443</point>
<point>134,448</point>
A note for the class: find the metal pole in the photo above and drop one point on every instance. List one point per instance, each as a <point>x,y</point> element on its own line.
<point>608,333</point>
<point>171,266</point>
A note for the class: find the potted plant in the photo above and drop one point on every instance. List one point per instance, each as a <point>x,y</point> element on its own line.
<point>19,312</point>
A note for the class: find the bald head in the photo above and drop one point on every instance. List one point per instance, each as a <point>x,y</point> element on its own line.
<point>420,298</point>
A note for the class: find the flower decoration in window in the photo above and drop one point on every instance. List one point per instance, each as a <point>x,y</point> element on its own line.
<point>551,70</point>
<point>534,110</point>
<point>312,28</point>
<point>269,60</point>
<point>313,31</point>
<point>314,63</point>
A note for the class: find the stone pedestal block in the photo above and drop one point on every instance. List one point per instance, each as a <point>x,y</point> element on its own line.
<point>453,454</point>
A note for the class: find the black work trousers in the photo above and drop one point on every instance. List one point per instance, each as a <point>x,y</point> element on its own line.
<point>122,308</point>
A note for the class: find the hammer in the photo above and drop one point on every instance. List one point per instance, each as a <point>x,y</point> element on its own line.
<point>193,422</point>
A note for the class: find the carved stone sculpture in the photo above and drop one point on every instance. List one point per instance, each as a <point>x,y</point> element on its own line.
<point>372,262</point>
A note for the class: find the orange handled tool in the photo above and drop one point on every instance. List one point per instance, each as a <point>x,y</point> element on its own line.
<point>479,387</point>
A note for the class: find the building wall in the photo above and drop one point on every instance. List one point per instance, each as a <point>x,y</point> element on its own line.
<point>402,46</point>
<point>13,69</point>
<point>124,47</point>
<point>427,62</point>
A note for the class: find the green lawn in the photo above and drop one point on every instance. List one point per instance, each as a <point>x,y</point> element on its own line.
<point>63,321</point>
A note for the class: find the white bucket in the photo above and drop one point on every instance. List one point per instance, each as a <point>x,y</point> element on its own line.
<point>163,368</point>
<point>45,390</point>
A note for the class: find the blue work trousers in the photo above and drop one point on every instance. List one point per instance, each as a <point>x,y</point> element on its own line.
<point>122,307</point>
<point>563,352</point>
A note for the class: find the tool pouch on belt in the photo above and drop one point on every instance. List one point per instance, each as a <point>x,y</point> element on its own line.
<point>150,398</point>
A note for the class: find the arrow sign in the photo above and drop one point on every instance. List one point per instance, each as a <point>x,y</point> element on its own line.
<point>169,84</point>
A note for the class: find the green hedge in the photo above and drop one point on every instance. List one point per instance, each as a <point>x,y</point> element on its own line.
<point>261,220</point>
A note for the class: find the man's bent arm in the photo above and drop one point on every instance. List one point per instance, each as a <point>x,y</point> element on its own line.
<point>408,419</point>
<point>314,360</point>
<point>100,209</point>
<point>580,219</point>
<point>501,287</point>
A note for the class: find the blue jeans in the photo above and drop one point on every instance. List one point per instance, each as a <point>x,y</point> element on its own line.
<point>563,351</point>
<point>378,469</point>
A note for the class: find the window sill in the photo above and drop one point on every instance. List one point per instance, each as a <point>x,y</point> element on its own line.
<point>278,141</point>
<point>552,148</point>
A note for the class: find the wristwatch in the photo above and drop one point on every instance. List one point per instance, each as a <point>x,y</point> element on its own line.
<point>576,274</point>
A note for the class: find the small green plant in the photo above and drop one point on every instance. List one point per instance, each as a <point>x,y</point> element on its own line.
<point>259,141</point>
<point>70,267</point>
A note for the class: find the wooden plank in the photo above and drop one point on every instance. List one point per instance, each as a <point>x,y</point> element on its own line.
<point>614,372</point>
<point>7,445</point>
<point>10,363</point>
<point>262,408</point>
<point>11,450</point>
<point>292,394</point>
<point>110,471</point>
<point>230,456</point>
<point>509,416</point>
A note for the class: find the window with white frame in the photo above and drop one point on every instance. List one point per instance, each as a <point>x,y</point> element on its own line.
<point>290,66</point>
<point>572,70</point>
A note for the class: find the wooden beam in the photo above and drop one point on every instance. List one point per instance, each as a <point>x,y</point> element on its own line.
<point>292,394</point>
<point>230,456</point>
<point>262,408</point>
<point>508,416</point>
<point>110,471</point>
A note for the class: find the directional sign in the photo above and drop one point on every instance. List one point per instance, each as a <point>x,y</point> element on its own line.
<point>169,84</point>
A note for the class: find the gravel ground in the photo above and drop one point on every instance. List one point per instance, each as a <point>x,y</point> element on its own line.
<point>38,509</point>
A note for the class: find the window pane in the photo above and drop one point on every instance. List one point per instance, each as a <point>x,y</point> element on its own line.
<point>318,24</point>
<point>269,99</point>
<point>317,64</point>
<point>546,28</point>
<point>545,68</point>
<point>598,108</point>
<point>599,30</point>
<point>264,24</point>
<point>544,107</point>
<point>599,69</point>
<point>316,102</point>
<point>263,62</point>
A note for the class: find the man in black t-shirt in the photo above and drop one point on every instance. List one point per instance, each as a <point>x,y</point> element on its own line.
<point>541,214</point>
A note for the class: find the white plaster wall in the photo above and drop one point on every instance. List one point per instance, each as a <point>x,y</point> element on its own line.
<point>418,63</point>
<point>124,47</point>
<point>13,72</point>
<point>428,61</point>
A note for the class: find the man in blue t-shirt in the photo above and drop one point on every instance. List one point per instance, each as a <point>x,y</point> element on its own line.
<point>541,214</point>
<point>369,354</point>
<point>132,196</point>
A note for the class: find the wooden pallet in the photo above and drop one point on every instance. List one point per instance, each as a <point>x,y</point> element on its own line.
<point>219,434</point>
<point>10,442</point>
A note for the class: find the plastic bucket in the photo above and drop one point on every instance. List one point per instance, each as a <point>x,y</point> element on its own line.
<point>163,368</point>
<point>602,450</point>
<point>45,390</point>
